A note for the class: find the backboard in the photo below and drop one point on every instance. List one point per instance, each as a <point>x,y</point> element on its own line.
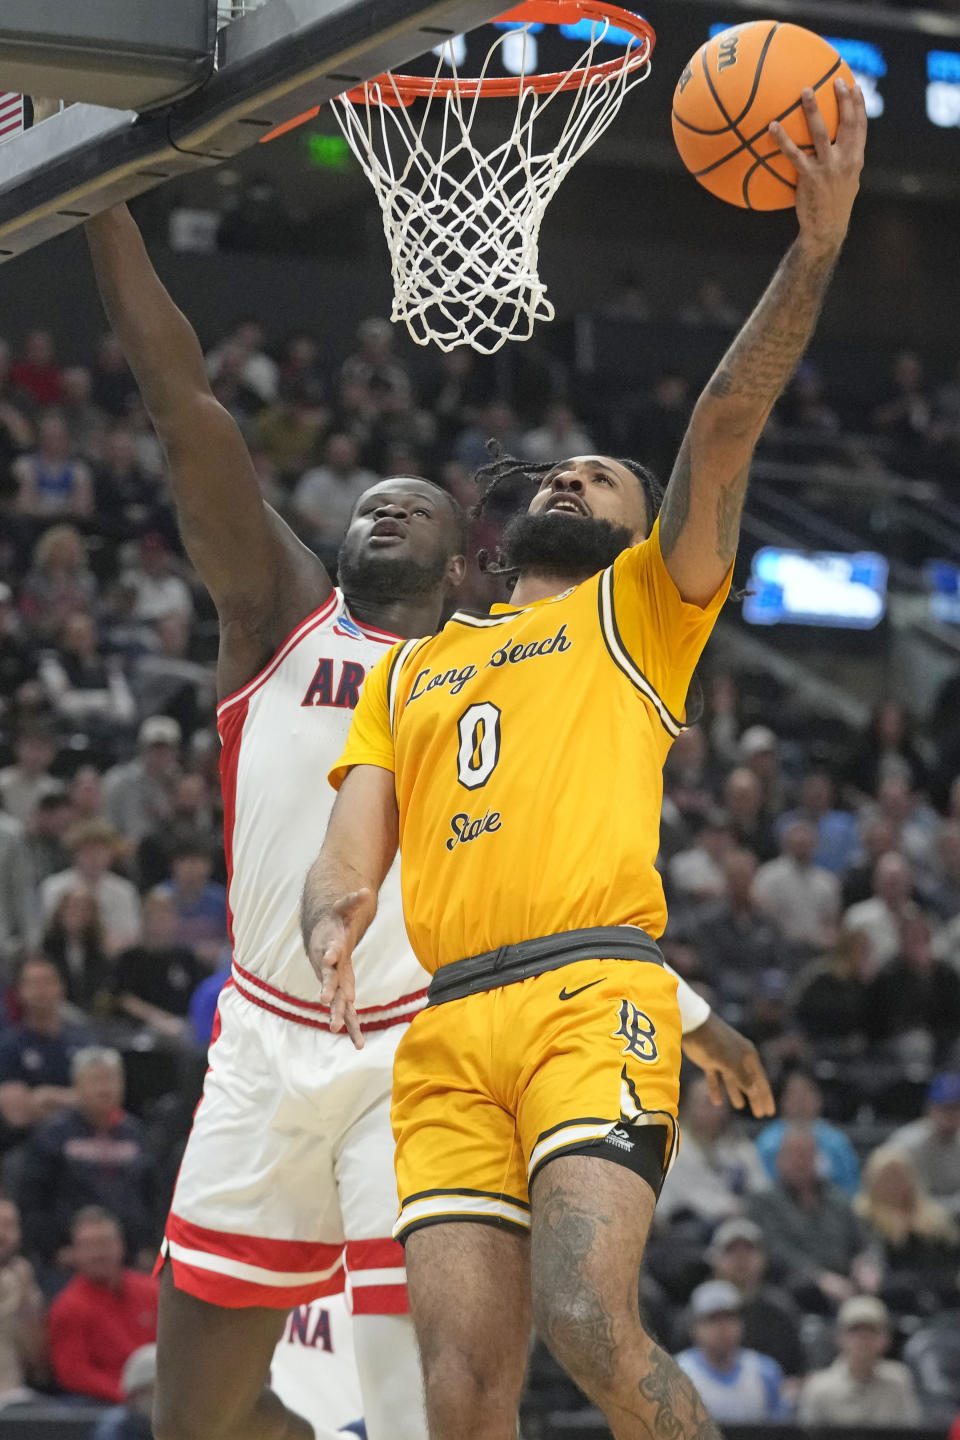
<point>273,63</point>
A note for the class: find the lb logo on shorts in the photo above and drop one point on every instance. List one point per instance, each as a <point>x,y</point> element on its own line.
<point>638,1030</point>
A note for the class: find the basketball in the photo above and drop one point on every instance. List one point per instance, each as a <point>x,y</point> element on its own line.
<point>731,90</point>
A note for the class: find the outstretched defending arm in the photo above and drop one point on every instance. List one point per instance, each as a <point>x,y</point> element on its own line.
<point>263,581</point>
<point>700,518</point>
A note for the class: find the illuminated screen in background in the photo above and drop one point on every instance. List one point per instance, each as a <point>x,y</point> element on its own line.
<point>912,90</point>
<point>943,585</point>
<point>795,587</point>
<point>943,88</point>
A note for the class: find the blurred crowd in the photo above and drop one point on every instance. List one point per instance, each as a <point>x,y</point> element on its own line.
<point>807,1267</point>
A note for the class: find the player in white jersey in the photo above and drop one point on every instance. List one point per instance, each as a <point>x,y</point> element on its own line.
<point>286,1193</point>
<point>287,1184</point>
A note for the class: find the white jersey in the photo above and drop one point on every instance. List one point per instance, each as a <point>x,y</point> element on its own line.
<point>281,735</point>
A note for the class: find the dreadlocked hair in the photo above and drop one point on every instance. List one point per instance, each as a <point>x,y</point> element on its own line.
<point>501,469</point>
<point>496,476</point>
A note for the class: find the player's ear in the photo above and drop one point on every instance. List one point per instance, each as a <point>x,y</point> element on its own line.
<point>456,571</point>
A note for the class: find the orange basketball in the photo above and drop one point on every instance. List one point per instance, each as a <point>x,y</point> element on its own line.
<point>726,97</point>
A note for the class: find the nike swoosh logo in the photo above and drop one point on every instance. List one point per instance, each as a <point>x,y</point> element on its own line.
<point>566,994</point>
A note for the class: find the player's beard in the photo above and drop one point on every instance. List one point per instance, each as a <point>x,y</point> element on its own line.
<point>383,577</point>
<point>562,544</point>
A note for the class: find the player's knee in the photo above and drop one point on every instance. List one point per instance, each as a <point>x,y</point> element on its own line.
<point>461,1382</point>
<point>582,1333</point>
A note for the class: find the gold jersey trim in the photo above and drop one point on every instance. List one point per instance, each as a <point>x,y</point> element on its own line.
<point>623,661</point>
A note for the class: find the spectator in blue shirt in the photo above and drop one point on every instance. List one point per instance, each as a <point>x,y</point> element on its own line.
<point>801,1101</point>
<point>738,1386</point>
<point>838,837</point>
<point>36,1054</point>
<point>200,903</point>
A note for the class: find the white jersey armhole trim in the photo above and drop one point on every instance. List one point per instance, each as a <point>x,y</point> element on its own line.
<point>293,639</point>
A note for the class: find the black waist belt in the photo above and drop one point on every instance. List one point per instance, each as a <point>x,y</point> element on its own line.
<point>512,963</point>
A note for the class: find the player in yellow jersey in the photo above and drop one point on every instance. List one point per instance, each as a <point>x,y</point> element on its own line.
<point>516,758</point>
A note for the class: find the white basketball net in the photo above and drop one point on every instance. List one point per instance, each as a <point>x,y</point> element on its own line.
<point>463,224</point>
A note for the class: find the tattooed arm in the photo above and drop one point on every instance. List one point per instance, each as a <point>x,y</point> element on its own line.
<point>700,519</point>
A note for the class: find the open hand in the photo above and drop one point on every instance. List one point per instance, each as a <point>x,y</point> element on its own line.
<point>330,951</point>
<point>828,179</point>
<point>728,1059</point>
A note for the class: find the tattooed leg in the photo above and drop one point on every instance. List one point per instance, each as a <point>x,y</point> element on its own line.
<point>590,1222</point>
<point>469,1287</point>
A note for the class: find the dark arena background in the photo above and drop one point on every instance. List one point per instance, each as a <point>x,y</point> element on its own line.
<point>810,837</point>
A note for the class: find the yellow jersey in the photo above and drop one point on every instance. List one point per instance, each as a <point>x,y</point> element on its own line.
<point>527,747</point>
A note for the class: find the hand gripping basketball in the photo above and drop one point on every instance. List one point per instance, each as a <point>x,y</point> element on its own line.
<point>829,178</point>
<point>330,951</point>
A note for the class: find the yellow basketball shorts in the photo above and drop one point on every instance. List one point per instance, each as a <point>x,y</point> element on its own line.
<point>487,1089</point>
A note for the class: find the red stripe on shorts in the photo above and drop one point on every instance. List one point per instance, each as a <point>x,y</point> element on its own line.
<point>288,1257</point>
<point>380,1300</point>
<point>374,1255</point>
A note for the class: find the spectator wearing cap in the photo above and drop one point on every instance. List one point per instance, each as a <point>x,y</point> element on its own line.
<point>158,588</point>
<point>771,1319</point>
<point>838,836</point>
<point>85,687</point>
<point>880,917</point>
<point>200,903</point>
<point>717,1168</point>
<point>24,783</point>
<point>23,1342</point>
<point>809,1224</point>
<point>36,1054</point>
<point>801,1102</point>
<point>93,1153</point>
<point>861,1388</point>
<point>697,874</point>
<point>933,1142</point>
<point>760,753</point>
<point>743,803</point>
<point>917,1241</point>
<point>737,940</point>
<point>137,796</point>
<point>93,846</point>
<point>801,897</point>
<point>52,482</point>
<point>737,1386</point>
<point>131,1420</point>
<point>155,980</point>
<point>913,1002</point>
<point>103,1315</point>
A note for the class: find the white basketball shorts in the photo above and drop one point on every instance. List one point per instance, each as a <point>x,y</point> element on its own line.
<point>286,1191</point>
